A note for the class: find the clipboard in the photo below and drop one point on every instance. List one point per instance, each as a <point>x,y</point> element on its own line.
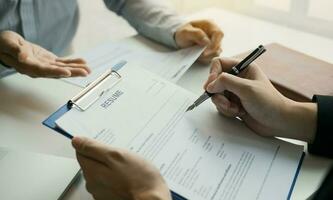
<point>114,77</point>
<point>77,102</point>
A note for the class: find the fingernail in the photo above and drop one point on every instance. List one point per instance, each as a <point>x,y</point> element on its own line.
<point>207,52</point>
<point>215,66</point>
<point>76,141</point>
<point>205,41</point>
<point>210,87</point>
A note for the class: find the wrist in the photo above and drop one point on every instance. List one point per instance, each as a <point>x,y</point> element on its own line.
<point>301,121</point>
<point>154,194</point>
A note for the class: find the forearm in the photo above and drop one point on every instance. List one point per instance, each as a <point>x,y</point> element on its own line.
<point>150,18</point>
<point>153,195</point>
<point>301,121</point>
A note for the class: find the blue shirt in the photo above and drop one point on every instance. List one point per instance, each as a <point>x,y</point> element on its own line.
<point>52,23</point>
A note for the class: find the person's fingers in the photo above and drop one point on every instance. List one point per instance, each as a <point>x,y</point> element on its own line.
<point>221,100</point>
<point>228,63</point>
<point>210,79</point>
<point>213,31</point>
<point>214,71</point>
<point>226,107</point>
<point>216,67</point>
<point>48,71</point>
<point>71,60</point>
<point>253,72</point>
<point>80,66</point>
<point>206,58</point>
<point>214,46</point>
<point>90,167</point>
<point>94,172</point>
<point>216,39</point>
<point>195,36</point>
<point>55,72</point>
<point>91,149</point>
<point>74,66</point>
<point>77,72</point>
<point>229,82</point>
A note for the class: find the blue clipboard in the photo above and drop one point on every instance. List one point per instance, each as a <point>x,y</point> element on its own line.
<point>50,122</point>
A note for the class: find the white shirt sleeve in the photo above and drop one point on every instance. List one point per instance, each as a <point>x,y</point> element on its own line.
<point>150,18</point>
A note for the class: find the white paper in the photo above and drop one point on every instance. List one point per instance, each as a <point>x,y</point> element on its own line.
<point>170,65</point>
<point>33,176</point>
<point>201,154</point>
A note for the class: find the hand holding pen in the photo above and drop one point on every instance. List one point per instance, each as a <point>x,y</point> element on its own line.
<point>235,70</point>
<point>253,98</point>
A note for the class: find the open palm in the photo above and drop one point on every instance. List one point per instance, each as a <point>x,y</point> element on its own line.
<point>35,61</point>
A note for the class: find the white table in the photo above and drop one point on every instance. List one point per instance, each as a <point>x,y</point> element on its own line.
<point>25,102</point>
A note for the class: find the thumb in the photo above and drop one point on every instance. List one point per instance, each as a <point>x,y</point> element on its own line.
<point>197,36</point>
<point>91,148</point>
<point>229,82</point>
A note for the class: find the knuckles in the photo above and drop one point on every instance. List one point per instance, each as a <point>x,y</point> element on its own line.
<point>116,156</point>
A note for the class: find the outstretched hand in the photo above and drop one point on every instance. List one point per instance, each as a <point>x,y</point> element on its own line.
<point>33,60</point>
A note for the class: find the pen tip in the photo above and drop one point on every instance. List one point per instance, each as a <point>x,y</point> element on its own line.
<point>189,108</point>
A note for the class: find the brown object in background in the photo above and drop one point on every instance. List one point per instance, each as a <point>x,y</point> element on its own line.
<point>296,75</point>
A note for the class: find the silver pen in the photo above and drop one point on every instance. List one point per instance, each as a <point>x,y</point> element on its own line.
<point>235,70</point>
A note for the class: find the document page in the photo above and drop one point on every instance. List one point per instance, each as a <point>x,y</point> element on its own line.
<point>33,176</point>
<point>201,154</point>
<point>170,65</point>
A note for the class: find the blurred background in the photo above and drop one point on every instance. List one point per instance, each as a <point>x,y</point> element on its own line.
<point>314,16</point>
<point>310,15</point>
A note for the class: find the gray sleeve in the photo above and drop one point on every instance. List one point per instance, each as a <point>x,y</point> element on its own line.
<point>150,18</point>
<point>4,71</point>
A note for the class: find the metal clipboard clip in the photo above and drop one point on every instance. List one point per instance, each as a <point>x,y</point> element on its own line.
<point>89,95</point>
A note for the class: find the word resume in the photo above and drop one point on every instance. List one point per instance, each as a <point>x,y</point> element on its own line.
<point>201,154</point>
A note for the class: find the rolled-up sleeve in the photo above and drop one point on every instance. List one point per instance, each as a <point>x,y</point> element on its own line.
<point>150,18</point>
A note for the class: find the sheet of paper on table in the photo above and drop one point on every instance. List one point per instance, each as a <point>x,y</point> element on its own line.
<point>169,64</point>
<point>34,176</point>
<point>201,154</point>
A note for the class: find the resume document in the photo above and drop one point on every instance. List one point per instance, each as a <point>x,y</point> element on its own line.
<point>201,154</point>
<point>168,64</point>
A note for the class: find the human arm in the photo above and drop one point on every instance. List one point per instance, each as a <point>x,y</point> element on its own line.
<point>112,173</point>
<point>158,22</point>
<point>33,60</point>
<point>263,109</point>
